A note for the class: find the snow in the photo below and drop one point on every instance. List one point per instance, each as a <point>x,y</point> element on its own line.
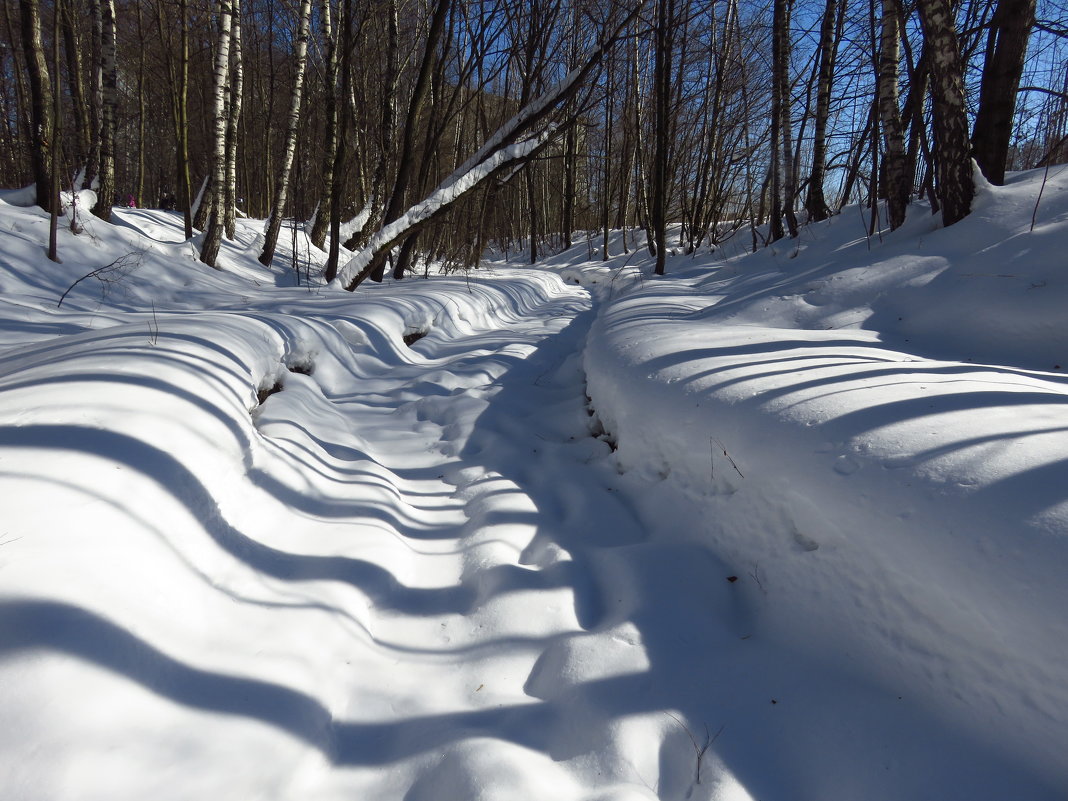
<point>785,525</point>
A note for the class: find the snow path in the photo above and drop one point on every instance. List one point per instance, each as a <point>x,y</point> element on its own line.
<point>393,578</point>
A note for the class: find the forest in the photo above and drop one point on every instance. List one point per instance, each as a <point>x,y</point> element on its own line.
<point>403,134</point>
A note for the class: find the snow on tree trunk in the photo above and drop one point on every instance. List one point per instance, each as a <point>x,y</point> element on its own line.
<point>281,189</point>
<point>213,237</point>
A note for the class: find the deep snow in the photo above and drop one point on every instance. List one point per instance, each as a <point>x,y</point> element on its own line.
<point>790,525</point>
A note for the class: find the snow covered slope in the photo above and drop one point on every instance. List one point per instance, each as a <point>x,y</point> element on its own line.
<point>872,433</point>
<point>254,545</point>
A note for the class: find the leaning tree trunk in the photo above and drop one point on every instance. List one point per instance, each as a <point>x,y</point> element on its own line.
<point>109,109</point>
<point>40,103</point>
<point>894,162</point>
<point>952,151</point>
<point>213,236</point>
<point>1007,46</point>
<point>514,143</point>
<point>281,187</point>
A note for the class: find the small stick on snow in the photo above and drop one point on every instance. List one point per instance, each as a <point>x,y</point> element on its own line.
<point>729,459</point>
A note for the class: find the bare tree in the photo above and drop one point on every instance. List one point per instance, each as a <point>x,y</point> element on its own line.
<point>41,100</point>
<point>897,182</point>
<point>213,236</point>
<point>665,24</point>
<point>520,138</point>
<point>952,150</point>
<point>830,35</point>
<point>281,188</point>
<point>108,111</point>
<point>1003,65</point>
<point>233,119</point>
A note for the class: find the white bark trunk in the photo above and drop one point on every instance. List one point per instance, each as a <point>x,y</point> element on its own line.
<point>281,193</point>
<point>213,237</point>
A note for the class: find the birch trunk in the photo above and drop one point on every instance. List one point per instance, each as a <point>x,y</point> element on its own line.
<point>956,183</point>
<point>233,119</point>
<point>894,162</point>
<point>105,194</point>
<point>213,236</point>
<point>281,187</point>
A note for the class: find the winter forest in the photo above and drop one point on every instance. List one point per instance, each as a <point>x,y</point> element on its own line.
<point>692,427</point>
<point>564,116</point>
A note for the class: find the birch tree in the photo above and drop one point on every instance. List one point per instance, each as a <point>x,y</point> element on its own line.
<point>213,236</point>
<point>897,182</point>
<point>281,187</point>
<point>952,150</point>
<point>109,110</point>
<point>233,119</point>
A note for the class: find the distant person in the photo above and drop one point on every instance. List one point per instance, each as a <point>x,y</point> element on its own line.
<point>131,202</point>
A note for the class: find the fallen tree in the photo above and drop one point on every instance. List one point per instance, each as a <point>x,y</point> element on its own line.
<point>532,128</point>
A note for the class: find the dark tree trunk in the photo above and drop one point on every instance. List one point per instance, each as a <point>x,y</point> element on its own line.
<point>41,99</point>
<point>662,93</point>
<point>816,202</point>
<point>330,141</point>
<point>780,81</point>
<point>894,162</point>
<point>405,161</point>
<point>1006,48</point>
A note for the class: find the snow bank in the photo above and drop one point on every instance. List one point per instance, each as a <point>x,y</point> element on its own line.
<point>905,514</point>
